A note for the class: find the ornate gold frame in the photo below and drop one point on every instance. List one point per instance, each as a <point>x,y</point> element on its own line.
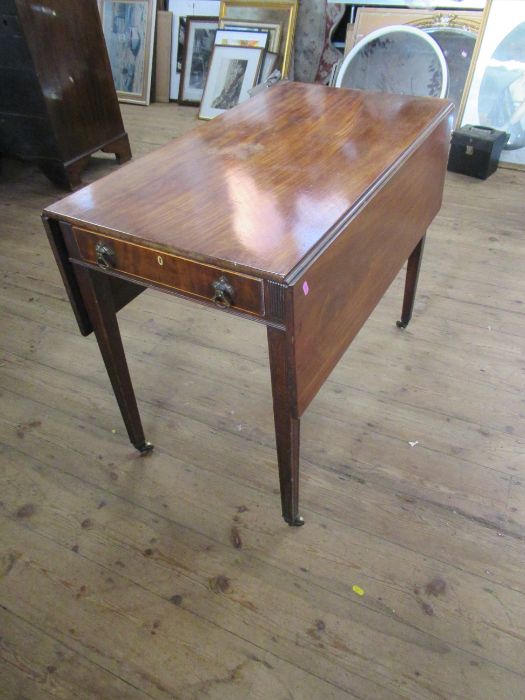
<point>227,11</point>
<point>443,20</point>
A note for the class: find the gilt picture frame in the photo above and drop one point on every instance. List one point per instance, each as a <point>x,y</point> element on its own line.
<point>129,31</point>
<point>495,90</point>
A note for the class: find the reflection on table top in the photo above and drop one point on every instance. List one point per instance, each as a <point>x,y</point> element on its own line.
<point>261,186</point>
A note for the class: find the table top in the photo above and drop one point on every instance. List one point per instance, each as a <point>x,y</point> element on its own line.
<point>265,186</point>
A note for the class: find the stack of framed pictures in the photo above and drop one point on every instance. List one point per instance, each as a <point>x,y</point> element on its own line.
<point>277,17</point>
<point>235,67</point>
<point>225,56</point>
<point>222,58</point>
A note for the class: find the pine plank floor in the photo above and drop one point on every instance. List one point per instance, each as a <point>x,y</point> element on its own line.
<point>173,576</point>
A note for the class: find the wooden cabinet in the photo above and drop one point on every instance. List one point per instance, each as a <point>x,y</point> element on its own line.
<point>58,103</point>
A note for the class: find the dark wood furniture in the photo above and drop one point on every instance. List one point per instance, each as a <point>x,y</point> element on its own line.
<point>58,102</point>
<point>296,209</point>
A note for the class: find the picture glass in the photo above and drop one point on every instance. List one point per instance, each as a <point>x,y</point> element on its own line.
<point>181,37</point>
<point>457,46</point>
<point>234,75</point>
<point>125,26</point>
<point>269,63</point>
<point>233,71</point>
<point>200,39</point>
<point>496,96</point>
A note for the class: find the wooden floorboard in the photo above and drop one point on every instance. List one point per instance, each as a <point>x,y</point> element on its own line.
<point>122,577</point>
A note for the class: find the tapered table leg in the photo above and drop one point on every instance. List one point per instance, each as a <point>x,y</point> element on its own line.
<point>96,293</point>
<point>286,426</point>
<point>413,267</point>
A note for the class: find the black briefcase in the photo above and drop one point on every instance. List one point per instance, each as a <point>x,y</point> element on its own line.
<point>475,150</point>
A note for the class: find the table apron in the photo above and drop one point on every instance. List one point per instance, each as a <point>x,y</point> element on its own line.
<point>135,265</point>
<point>142,284</point>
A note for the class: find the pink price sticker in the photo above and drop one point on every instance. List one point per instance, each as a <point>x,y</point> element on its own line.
<point>306,288</point>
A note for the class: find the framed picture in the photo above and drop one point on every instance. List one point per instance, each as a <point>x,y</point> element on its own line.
<point>181,9</point>
<point>233,71</point>
<point>181,42</point>
<point>274,31</point>
<point>259,12</point>
<point>129,30</point>
<point>368,19</point>
<point>495,90</point>
<point>198,46</point>
<point>241,37</point>
<point>269,63</point>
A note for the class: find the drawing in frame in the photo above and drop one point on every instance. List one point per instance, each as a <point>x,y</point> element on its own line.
<point>234,70</point>
<point>129,30</point>
<point>495,91</point>
<point>198,47</point>
<point>283,12</point>
<point>274,30</point>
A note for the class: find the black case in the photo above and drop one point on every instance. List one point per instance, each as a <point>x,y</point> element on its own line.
<point>475,150</point>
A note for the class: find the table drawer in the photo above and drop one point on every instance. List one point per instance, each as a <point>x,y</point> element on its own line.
<point>206,282</point>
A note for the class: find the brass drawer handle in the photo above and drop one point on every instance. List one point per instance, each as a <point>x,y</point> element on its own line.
<point>223,292</point>
<point>105,255</point>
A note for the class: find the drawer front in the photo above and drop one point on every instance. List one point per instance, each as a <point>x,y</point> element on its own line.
<point>179,274</point>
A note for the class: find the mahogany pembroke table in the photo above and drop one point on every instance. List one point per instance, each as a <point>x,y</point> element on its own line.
<point>296,209</point>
